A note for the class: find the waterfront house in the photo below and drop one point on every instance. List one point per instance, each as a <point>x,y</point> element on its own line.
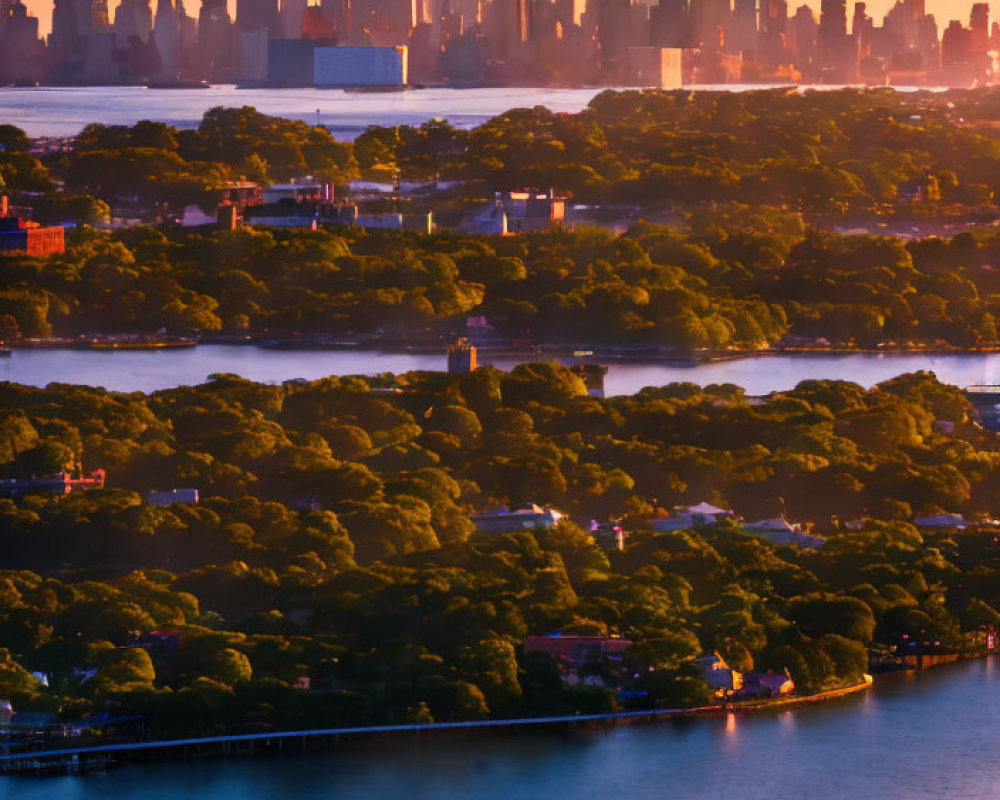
<point>520,519</point>
<point>956,521</point>
<point>581,659</point>
<point>781,532</point>
<point>698,516</point>
<point>765,685</point>
<point>189,496</point>
<point>719,676</point>
<point>61,484</point>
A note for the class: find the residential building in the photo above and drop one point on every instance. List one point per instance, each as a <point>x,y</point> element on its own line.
<point>20,236</point>
<point>60,484</point>
<point>581,659</point>
<point>781,532</point>
<point>169,498</point>
<point>765,685</point>
<point>956,521</point>
<point>698,516</point>
<point>461,357</point>
<point>719,676</point>
<point>520,519</point>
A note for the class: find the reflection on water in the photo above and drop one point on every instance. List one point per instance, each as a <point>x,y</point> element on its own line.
<point>152,370</point>
<point>926,737</point>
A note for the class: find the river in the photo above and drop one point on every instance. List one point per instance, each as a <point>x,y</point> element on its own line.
<point>63,111</point>
<point>929,736</point>
<point>152,370</point>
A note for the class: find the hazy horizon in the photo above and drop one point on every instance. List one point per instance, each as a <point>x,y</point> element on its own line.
<point>943,10</point>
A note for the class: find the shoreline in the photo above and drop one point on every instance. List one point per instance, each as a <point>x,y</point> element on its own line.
<point>582,353</point>
<point>79,760</point>
<point>82,760</point>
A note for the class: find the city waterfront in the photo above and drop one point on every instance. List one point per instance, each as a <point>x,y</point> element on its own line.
<point>152,370</point>
<point>924,735</point>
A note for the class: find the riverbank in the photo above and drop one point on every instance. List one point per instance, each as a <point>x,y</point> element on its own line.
<point>75,760</point>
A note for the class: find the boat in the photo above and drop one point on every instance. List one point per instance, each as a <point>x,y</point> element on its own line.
<point>140,343</point>
<point>177,84</point>
<point>5,352</point>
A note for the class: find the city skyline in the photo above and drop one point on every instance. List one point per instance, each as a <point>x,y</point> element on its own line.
<point>943,10</point>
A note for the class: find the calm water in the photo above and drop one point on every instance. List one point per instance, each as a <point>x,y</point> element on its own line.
<point>926,737</point>
<point>150,370</point>
<point>63,111</point>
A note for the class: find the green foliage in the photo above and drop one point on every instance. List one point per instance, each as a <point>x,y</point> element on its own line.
<point>333,545</point>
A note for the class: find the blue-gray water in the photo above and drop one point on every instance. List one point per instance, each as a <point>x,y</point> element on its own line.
<point>63,111</point>
<point>150,370</point>
<point>922,737</point>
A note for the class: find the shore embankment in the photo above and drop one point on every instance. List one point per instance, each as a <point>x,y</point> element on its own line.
<point>83,759</point>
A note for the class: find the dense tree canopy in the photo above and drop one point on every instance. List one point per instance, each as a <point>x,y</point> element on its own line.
<point>333,542</point>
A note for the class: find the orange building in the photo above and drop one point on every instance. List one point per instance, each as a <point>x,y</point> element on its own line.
<point>23,237</point>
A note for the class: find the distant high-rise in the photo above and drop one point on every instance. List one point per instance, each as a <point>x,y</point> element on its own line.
<point>709,21</point>
<point>979,27</point>
<point>833,20</point>
<point>70,23</point>
<point>254,14</point>
<point>291,14</point>
<point>167,34</point>
<point>20,47</point>
<point>802,32</point>
<point>742,35</point>
<point>670,24</point>
<point>133,18</point>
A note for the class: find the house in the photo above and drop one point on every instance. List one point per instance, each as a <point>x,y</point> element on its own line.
<point>609,535</point>
<point>20,236</point>
<point>956,521</point>
<point>520,519</point>
<point>580,658</point>
<point>173,496</point>
<point>764,685</point>
<point>719,676</point>
<point>781,532</point>
<point>698,516</point>
<point>518,212</point>
<point>60,484</point>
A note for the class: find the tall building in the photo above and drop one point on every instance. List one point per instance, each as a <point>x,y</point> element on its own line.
<point>670,24</point>
<point>133,18</point>
<point>291,14</point>
<point>802,33</point>
<point>20,48</point>
<point>253,14</point>
<point>979,28</point>
<point>709,21</point>
<point>167,35</point>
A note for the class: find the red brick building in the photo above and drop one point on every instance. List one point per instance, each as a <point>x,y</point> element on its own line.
<point>20,236</point>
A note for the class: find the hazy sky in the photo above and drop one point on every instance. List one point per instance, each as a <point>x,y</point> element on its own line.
<point>944,10</point>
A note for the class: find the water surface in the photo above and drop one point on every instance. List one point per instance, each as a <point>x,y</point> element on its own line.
<point>151,370</point>
<point>923,737</point>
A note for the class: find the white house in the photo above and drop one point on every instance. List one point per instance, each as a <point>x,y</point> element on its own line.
<point>781,532</point>
<point>692,517</point>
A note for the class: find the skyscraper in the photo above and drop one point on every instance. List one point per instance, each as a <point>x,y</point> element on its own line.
<point>253,14</point>
<point>167,34</point>
<point>670,24</point>
<point>709,21</point>
<point>291,13</point>
<point>133,18</point>
<point>979,25</point>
